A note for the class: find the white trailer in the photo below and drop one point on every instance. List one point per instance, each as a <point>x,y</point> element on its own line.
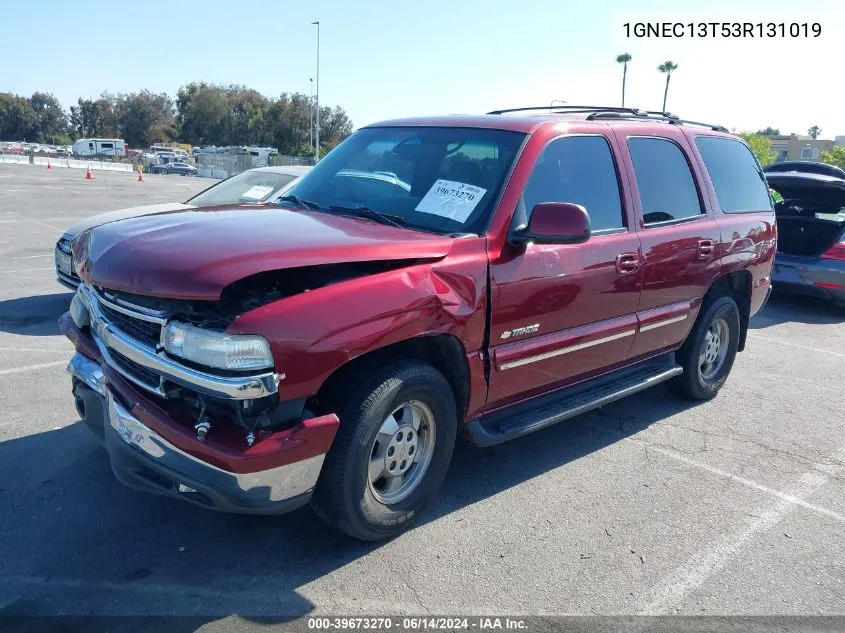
<point>100,147</point>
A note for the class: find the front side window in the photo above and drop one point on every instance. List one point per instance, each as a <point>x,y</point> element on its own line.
<point>736,176</point>
<point>664,179</point>
<point>579,170</point>
<point>438,179</point>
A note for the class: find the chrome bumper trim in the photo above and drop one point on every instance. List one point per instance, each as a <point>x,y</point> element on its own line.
<point>109,338</point>
<point>253,489</point>
<point>87,371</point>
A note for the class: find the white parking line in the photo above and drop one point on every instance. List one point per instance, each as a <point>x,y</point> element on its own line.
<point>35,350</point>
<point>20,370</point>
<point>794,499</point>
<point>25,270</point>
<point>669,592</point>
<point>34,256</point>
<point>47,224</point>
<point>798,345</point>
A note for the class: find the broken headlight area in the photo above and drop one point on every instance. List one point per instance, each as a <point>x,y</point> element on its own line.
<point>208,415</point>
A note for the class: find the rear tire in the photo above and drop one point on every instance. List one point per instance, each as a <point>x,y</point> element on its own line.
<point>382,470</point>
<point>708,354</point>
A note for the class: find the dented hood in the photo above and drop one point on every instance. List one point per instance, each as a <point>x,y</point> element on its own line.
<point>122,214</point>
<point>196,254</point>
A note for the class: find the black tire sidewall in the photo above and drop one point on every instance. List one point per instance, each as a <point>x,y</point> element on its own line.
<point>722,307</point>
<point>405,381</point>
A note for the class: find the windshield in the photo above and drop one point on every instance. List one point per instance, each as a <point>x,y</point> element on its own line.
<point>246,187</point>
<point>438,179</point>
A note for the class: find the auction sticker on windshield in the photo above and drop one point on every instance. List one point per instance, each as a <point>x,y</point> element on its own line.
<point>257,192</point>
<point>450,199</point>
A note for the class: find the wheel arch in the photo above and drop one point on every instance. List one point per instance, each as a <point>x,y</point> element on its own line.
<point>737,285</point>
<point>445,352</point>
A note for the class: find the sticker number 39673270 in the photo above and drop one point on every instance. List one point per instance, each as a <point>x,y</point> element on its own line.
<point>450,199</point>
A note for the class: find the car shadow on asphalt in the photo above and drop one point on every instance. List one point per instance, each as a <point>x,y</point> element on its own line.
<point>789,308</point>
<point>37,315</point>
<point>78,540</point>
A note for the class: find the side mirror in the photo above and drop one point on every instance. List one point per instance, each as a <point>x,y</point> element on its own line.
<point>555,223</point>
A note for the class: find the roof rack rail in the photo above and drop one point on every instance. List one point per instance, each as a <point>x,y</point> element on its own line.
<point>651,115</point>
<point>568,108</point>
<point>613,112</point>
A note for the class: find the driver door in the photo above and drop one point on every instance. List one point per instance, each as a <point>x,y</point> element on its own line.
<point>564,312</point>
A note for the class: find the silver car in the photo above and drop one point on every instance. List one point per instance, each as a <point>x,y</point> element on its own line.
<point>811,234</point>
<point>255,186</point>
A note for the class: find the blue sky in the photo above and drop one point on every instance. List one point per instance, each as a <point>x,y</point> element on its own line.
<point>384,59</point>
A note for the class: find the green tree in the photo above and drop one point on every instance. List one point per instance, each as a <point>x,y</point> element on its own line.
<point>761,146</point>
<point>204,114</point>
<point>667,68</point>
<point>769,131</point>
<point>51,120</point>
<point>814,132</point>
<point>250,125</point>
<point>835,156</point>
<point>623,59</point>
<point>18,121</point>
<point>94,118</point>
<point>144,118</point>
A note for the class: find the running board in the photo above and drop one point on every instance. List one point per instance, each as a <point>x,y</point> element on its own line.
<point>543,411</point>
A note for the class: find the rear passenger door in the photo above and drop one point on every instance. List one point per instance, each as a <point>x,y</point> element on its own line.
<point>679,236</point>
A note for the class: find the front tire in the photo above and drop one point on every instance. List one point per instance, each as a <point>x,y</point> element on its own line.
<point>708,354</point>
<point>391,453</point>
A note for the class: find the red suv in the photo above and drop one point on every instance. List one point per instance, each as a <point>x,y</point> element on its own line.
<point>482,276</point>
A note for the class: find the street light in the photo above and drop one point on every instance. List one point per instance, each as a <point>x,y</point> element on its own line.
<point>317,126</point>
<point>311,108</point>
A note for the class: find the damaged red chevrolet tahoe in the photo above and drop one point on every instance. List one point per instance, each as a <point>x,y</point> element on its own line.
<point>465,276</point>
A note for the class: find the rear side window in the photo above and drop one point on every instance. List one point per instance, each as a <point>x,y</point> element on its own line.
<point>580,170</point>
<point>736,177</point>
<point>667,188</point>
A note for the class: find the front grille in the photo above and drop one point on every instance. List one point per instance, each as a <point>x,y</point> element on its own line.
<point>142,331</point>
<point>138,372</point>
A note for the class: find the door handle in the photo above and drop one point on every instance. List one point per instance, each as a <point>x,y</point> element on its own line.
<point>627,263</point>
<point>705,248</point>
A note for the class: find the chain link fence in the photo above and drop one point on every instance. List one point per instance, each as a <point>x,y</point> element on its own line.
<point>225,165</point>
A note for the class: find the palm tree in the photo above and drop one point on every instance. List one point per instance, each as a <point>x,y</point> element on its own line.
<point>667,67</point>
<point>814,132</point>
<point>623,59</point>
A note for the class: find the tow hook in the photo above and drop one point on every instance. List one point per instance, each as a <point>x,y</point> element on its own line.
<point>203,425</point>
<point>202,428</point>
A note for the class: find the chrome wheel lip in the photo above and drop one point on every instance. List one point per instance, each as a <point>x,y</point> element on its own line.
<point>393,486</point>
<point>714,349</point>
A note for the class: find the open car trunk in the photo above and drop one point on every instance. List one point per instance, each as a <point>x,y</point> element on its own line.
<point>811,216</point>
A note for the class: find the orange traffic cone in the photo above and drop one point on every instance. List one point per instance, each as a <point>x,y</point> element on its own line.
<point>49,166</point>
<point>140,175</point>
<point>88,174</point>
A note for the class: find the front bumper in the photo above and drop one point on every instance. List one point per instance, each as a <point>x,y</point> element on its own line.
<point>822,278</point>
<point>149,451</point>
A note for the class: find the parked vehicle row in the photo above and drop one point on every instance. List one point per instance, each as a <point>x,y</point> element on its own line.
<point>475,276</point>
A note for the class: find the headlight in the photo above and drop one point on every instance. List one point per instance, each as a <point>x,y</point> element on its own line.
<point>79,312</point>
<point>215,349</point>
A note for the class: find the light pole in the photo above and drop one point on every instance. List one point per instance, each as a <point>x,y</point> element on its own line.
<point>317,125</point>
<point>311,109</point>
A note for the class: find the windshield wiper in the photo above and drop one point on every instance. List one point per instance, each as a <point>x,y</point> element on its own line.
<point>371,214</point>
<point>302,204</point>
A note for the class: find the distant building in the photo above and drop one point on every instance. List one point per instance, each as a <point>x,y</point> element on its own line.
<point>801,147</point>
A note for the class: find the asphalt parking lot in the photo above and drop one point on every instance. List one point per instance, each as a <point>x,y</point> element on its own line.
<point>648,506</point>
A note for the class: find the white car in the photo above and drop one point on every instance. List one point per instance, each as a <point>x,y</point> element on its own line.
<point>254,186</point>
